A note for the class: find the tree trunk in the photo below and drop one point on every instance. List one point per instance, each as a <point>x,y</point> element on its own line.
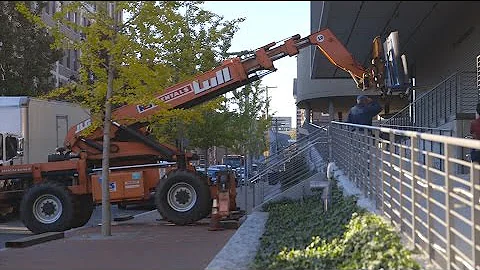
<point>106,211</point>
<point>106,208</point>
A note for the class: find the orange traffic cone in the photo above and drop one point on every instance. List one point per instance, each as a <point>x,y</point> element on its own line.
<point>215,218</point>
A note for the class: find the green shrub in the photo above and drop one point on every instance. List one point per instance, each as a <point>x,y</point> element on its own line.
<point>301,235</point>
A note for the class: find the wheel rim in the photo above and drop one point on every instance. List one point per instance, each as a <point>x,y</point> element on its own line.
<point>181,197</point>
<point>47,208</point>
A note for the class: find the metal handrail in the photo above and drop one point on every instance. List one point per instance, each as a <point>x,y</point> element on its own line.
<point>435,207</point>
<point>411,186</point>
<point>450,140</point>
<point>428,129</point>
<point>298,151</point>
<point>292,166</point>
<point>430,94</point>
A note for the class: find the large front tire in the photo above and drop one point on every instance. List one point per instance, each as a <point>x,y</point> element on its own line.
<point>182,198</point>
<point>47,207</point>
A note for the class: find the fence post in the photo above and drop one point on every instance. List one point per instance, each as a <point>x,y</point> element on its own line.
<point>400,183</point>
<point>390,179</point>
<point>448,203</point>
<point>253,191</point>
<point>329,139</point>
<point>365,148</point>
<point>475,185</point>
<point>376,141</point>
<point>382,174</point>
<point>428,176</point>
<point>262,189</point>
<point>413,171</point>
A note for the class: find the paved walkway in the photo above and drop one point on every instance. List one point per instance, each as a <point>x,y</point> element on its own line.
<point>240,250</point>
<point>143,243</point>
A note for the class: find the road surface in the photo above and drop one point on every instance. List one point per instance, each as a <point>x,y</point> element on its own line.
<point>13,228</point>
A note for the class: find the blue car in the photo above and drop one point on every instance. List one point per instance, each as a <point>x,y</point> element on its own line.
<point>212,170</point>
<point>212,174</point>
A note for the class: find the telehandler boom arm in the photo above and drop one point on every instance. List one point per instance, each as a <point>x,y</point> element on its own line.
<point>231,74</point>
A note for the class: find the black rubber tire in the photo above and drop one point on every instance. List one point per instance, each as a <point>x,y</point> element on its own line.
<point>201,208</point>
<point>83,208</point>
<point>56,190</point>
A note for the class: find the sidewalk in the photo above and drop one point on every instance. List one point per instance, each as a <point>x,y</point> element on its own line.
<point>141,243</point>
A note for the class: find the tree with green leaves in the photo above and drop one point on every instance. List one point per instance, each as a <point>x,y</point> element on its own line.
<point>212,130</point>
<point>251,122</point>
<point>130,61</point>
<point>26,55</point>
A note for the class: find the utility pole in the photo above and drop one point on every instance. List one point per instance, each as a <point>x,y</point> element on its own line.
<point>268,105</point>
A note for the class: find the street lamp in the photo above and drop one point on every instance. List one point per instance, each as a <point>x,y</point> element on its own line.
<point>266,88</point>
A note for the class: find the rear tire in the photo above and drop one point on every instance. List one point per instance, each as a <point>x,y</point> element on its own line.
<point>183,198</point>
<point>122,206</point>
<point>83,210</point>
<point>47,207</point>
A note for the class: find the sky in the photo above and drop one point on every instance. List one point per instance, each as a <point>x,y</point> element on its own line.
<point>266,22</point>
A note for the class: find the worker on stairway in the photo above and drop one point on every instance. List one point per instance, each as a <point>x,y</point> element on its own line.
<point>475,131</point>
<point>364,111</point>
<point>362,114</point>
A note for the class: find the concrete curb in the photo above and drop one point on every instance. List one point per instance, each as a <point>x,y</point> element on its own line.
<point>34,239</point>
<point>242,247</point>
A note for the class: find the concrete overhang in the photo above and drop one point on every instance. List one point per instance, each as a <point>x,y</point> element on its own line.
<point>357,23</point>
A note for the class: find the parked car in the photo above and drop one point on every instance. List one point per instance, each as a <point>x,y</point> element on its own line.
<point>212,174</point>
<point>215,168</point>
<point>240,173</point>
<point>222,167</point>
<point>200,170</point>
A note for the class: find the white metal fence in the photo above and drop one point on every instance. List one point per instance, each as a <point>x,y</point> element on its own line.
<point>430,193</point>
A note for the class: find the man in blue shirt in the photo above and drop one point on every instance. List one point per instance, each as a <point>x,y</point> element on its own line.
<point>364,111</point>
<point>362,114</point>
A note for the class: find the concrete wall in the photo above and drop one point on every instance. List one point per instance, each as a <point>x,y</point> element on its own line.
<point>454,50</point>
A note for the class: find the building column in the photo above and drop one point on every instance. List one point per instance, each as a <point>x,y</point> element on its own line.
<point>331,110</point>
<point>308,114</point>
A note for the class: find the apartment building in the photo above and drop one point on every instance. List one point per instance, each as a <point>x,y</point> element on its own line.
<point>67,69</point>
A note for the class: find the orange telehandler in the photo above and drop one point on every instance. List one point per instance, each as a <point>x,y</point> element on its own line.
<point>61,194</point>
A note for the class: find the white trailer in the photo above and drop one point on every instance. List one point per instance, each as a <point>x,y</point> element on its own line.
<point>42,124</point>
